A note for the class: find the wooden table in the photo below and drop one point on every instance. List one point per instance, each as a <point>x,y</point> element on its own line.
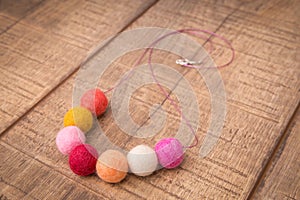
<point>43,43</point>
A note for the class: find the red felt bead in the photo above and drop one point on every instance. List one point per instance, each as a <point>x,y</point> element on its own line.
<point>83,159</point>
<point>94,100</point>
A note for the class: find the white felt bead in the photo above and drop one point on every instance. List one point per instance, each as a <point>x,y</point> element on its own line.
<point>142,160</point>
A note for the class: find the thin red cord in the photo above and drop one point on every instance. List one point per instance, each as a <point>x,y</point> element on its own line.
<point>194,32</point>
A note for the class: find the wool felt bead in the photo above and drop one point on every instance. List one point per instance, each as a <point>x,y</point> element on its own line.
<point>68,138</point>
<point>142,160</point>
<point>80,117</point>
<point>94,100</point>
<point>112,166</point>
<point>169,152</point>
<point>83,159</point>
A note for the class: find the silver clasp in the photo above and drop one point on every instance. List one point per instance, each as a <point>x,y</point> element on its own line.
<point>187,62</point>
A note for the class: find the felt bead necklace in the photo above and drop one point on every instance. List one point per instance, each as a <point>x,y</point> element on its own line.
<point>112,166</point>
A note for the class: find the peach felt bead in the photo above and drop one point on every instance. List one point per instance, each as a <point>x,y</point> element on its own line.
<point>112,166</point>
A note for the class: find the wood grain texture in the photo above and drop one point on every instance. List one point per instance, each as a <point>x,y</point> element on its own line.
<point>38,50</point>
<point>265,66</point>
<point>259,80</point>
<point>10,192</point>
<point>11,12</point>
<point>262,87</point>
<point>282,179</point>
<point>40,146</point>
<point>17,9</point>
<point>5,23</point>
<point>24,177</point>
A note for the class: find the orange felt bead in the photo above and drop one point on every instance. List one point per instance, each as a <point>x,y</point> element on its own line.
<point>112,166</point>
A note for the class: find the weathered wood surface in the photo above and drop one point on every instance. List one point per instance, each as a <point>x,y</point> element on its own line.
<point>28,178</point>
<point>43,42</point>
<point>282,178</point>
<point>262,87</point>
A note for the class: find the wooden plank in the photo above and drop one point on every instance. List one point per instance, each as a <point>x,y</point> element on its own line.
<point>13,11</point>
<point>249,135</point>
<point>24,177</point>
<point>43,143</point>
<point>85,23</point>
<point>264,79</point>
<point>276,81</point>
<point>17,9</point>
<point>47,45</point>
<point>61,100</point>
<point>282,178</point>
<point>5,23</point>
<point>221,174</point>
<point>266,59</point>
<point>284,13</point>
<point>26,68</point>
<point>10,192</point>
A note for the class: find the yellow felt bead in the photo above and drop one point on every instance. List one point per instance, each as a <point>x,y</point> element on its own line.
<point>80,117</point>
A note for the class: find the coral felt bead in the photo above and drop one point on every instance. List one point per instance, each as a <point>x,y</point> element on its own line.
<point>68,138</point>
<point>94,100</point>
<point>169,152</point>
<point>112,166</point>
<point>142,160</point>
<point>80,117</point>
<point>83,159</point>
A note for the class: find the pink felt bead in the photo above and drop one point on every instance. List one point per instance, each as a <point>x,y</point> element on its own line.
<point>169,152</point>
<point>68,138</point>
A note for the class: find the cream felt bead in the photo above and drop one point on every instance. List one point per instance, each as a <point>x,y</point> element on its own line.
<point>142,160</point>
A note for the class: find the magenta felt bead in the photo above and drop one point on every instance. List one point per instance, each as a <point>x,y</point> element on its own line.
<point>169,152</point>
<point>68,138</point>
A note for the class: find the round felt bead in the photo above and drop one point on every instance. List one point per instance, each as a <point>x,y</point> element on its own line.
<point>142,160</point>
<point>169,152</point>
<point>68,138</point>
<point>112,166</point>
<point>83,159</point>
<point>94,100</point>
<point>80,117</point>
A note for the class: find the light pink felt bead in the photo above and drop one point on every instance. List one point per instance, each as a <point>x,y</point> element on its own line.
<point>169,152</point>
<point>68,138</point>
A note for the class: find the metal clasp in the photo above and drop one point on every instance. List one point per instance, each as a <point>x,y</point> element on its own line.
<point>185,61</point>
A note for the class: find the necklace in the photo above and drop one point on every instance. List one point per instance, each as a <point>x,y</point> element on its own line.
<point>112,166</point>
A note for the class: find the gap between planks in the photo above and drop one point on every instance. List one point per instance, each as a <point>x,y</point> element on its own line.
<point>45,164</point>
<point>280,140</point>
<point>268,163</point>
<point>25,15</point>
<point>273,152</point>
<point>184,73</point>
<point>77,68</point>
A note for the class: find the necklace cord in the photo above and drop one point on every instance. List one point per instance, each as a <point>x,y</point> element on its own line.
<point>150,49</point>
